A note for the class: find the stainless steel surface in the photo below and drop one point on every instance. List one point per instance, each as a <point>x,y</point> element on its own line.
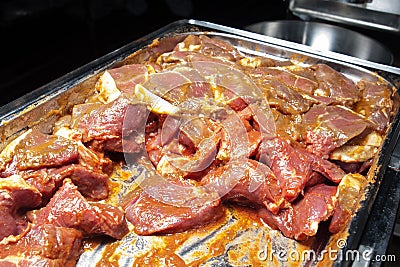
<point>300,48</point>
<point>325,37</point>
<point>378,14</point>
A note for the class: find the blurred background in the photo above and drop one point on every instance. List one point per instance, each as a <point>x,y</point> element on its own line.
<point>44,39</point>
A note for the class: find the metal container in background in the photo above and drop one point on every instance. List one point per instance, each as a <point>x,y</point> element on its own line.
<point>325,37</point>
<point>383,15</point>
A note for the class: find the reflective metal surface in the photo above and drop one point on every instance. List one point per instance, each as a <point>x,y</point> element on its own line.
<point>376,14</point>
<point>325,37</point>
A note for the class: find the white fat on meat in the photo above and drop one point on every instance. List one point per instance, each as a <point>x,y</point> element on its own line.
<point>16,182</point>
<point>107,88</point>
<point>69,133</point>
<point>155,103</point>
<point>349,190</point>
<point>8,152</point>
<point>363,150</point>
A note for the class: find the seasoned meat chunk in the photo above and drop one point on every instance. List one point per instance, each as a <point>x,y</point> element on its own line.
<point>106,122</point>
<point>281,96</point>
<point>45,160</point>
<point>37,150</point>
<point>298,83</point>
<point>294,166</point>
<point>301,219</point>
<point>15,193</point>
<point>68,208</point>
<point>329,127</point>
<point>126,77</point>
<point>151,215</point>
<point>258,186</point>
<point>376,104</point>
<point>212,48</point>
<point>42,245</point>
<point>336,86</point>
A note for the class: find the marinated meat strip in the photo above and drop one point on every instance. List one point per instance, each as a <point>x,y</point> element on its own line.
<point>68,208</point>
<point>336,86</point>
<point>296,82</point>
<point>329,127</point>
<point>199,86</point>
<point>91,184</point>
<point>231,86</point>
<point>294,166</point>
<point>376,103</point>
<point>15,194</point>
<point>177,58</point>
<point>45,160</point>
<point>170,85</point>
<point>151,215</point>
<point>183,147</point>
<point>348,195</point>
<point>302,218</point>
<point>127,76</point>
<point>258,186</point>
<point>211,48</point>
<point>288,126</point>
<point>42,245</point>
<point>327,168</point>
<point>106,122</point>
<point>282,97</point>
<point>38,150</point>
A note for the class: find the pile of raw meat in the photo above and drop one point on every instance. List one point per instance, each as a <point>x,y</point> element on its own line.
<point>292,142</point>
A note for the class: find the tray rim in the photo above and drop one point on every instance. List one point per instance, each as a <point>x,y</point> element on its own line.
<point>64,83</point>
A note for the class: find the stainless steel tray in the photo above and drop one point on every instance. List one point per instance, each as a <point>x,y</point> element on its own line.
<point>239,239</point>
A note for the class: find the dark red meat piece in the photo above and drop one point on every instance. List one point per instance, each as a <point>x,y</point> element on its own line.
<point>183,57</point>
<point>92,184</point>
<point>376,103</point>
<point>150,215</point>
<point>42,245</point>
<point>15,194</point>
<point>329,127</point>
<point>299,83</point>
<point>258,186</point>
<point>127,76</point>
<point>111,121</point>
<point>38,150</point>
<point>335,85</point>
<point>209,47</point>
<point>301,220</point>
<point>294,166</point>
<point>68,208</point>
